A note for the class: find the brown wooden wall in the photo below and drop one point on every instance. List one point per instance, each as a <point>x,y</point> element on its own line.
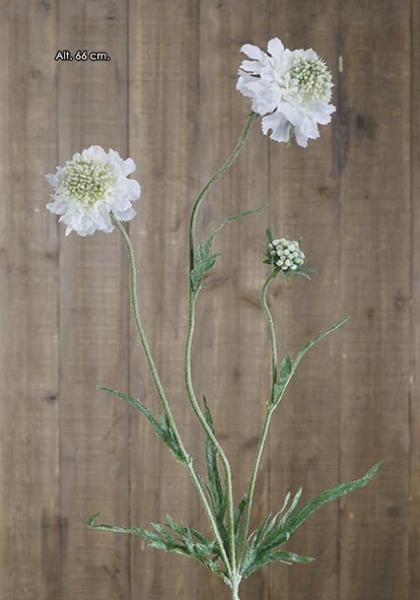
<point>167,98</point>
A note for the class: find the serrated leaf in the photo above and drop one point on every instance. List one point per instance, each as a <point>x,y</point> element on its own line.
<point>203,261</point>
<point>161,424</point>
<point>288,366</point>
<point>317,339</point>
<point>284,556</point>
<point>292,507</point>
<point>204,550</point>
<point>137,404</point>
<point>274,556</point>
<point>276,516</point>
<point>327,496</point>
<point>271,534</point>
<point>90,522</point>
<point>259,532</point>
<point>262,546</point>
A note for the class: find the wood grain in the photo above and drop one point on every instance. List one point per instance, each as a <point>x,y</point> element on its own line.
<point>163,61</point>
<point>231,361</point>
<point>304,437</point>
<point>29,391</point>
<point>93,317</point>
<point>414,416</point>
<point>167,98</point>
<point>375,288</point>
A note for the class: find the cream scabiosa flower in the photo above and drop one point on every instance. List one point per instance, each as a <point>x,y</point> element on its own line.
<point>91,185</point>
<point>286,256</point>
<point>291,90</point>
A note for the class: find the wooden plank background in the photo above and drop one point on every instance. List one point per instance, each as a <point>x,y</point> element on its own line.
<point>167,98</point>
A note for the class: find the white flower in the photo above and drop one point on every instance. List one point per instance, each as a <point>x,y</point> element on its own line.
<point>91,185</point>
<point>290,89</point>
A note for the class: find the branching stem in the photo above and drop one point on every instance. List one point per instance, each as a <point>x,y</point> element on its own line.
<point>191,324</point>
<point>161,392</point>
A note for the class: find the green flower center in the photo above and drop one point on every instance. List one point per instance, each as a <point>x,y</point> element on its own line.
<point>87,181</point>
<point>313,78</point>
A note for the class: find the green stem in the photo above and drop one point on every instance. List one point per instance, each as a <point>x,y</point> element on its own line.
<point>269,413</point>
<point>193,221</point>
<point>235,588</point>
<point>161,392</point>
<point>200,416</point>
<point>271,330</point>
<point>251,489</point>
<point>191,324</point>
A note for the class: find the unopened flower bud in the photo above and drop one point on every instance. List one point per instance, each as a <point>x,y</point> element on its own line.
<point>285,254</point>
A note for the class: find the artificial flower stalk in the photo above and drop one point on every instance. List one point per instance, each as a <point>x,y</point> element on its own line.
<point>185,458</point>
<point>193,292</point>
<point>226,165</point>
<point>291,92</point>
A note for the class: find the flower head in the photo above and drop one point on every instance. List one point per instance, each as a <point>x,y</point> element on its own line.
<point>286,256</point>
<point>291,90</point>
<point>91,185</point>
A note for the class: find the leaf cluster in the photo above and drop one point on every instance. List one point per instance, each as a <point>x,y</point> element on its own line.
<point>172,537</point>
<point>217,492</point>
<point>263,544</point>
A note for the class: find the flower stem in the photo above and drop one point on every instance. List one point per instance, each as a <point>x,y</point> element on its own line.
<point>251,489</point>
<point>235,588</point>
<point>161,393</point>
<point>191,324</point>
<point>271,330</point>
<point>200,416</point>
<point>193,221</point>
<point>269,413</point>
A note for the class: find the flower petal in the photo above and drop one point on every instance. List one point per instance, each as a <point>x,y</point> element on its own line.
<point>275,47</point>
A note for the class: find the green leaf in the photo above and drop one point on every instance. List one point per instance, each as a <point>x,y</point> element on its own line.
<point>218,496</point>
<point>137,404</point>
<point>259,533</point>
<point>288,557</point>
<point>288,366</point>
<point>187,541</point>
<point>262,545</point>
<point>211,462</point>
<point>285,375</point>
<point>239,512</point>
<point>90,522</point>
<point>274,556</point>
<point>203,261</point>
<point>292,507</point>
<point>316,339</point>
<point>161,425</point>
<point>327,496</point>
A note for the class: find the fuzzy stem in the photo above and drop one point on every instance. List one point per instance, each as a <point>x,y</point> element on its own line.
<point>269,413</point>
<point>252,482</point>
<point>191,324</point>
<point>161,392</point>
<point>200,416</point>
<point>193,221</point>
<point>235,588</point>
<point>271,330</point>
